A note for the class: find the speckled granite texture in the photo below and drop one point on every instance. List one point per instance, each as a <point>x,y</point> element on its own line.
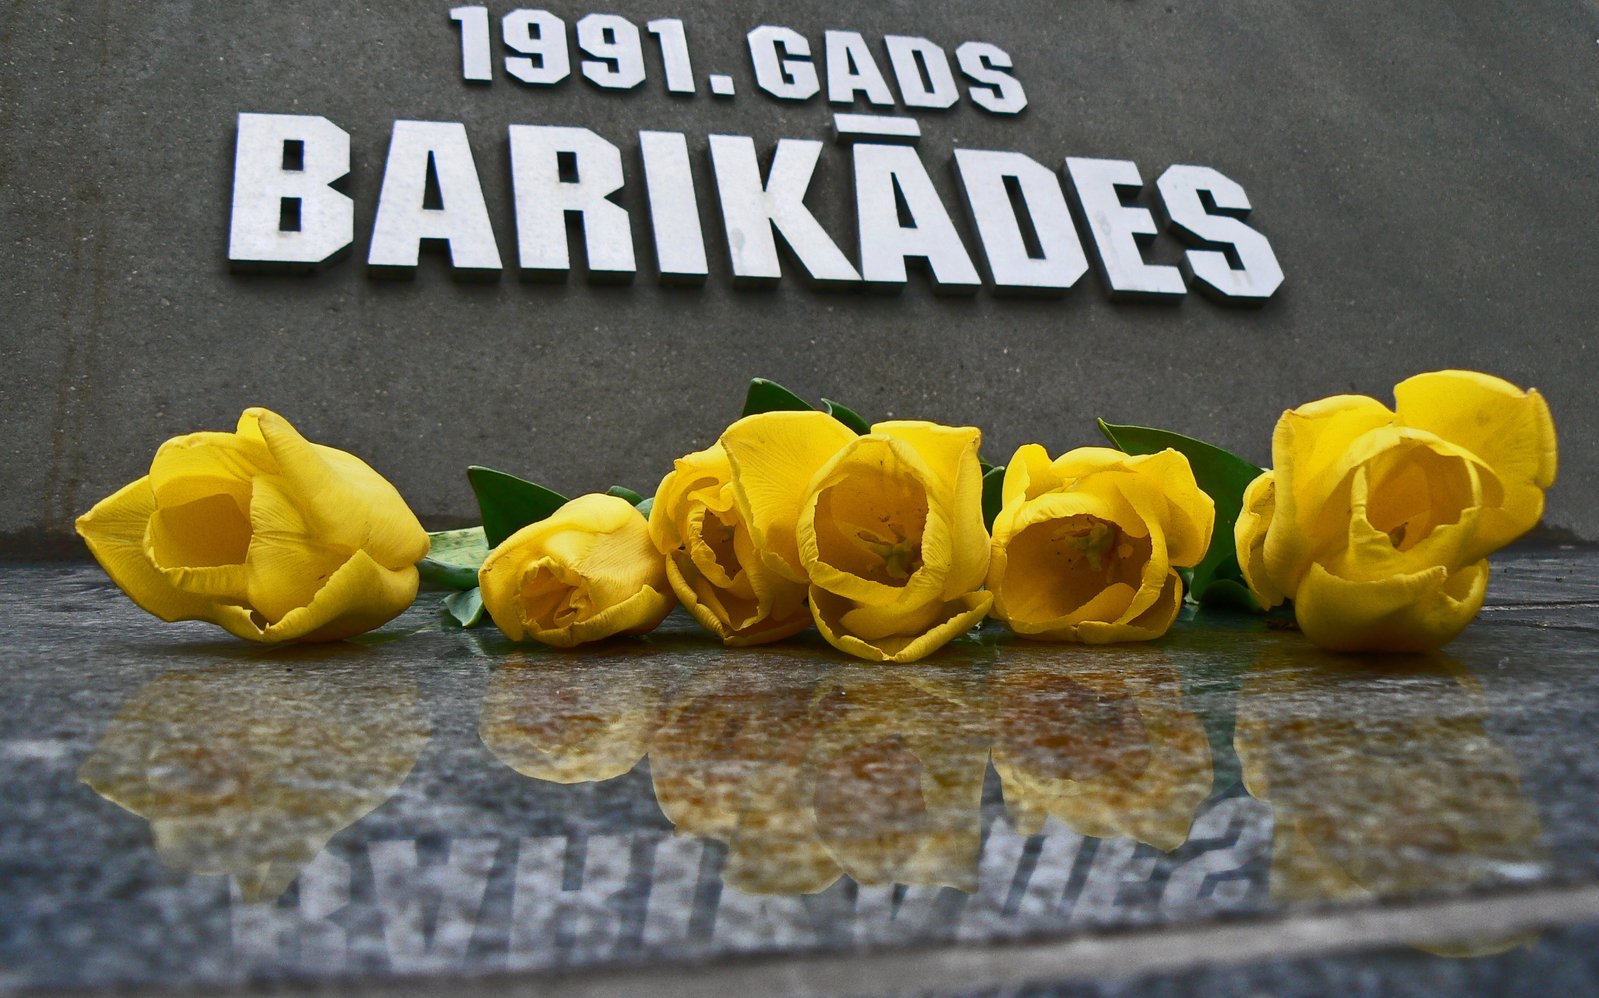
<point>441,809</point>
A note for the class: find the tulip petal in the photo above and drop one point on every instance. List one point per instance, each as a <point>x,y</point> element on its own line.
<point>774,455</point>
<point>956,617</point>
<point>202,465</point>
<point>499,581</point>
<point>1511,431</point>
<point>1152,623</point>
<point>1421,611</point>
<point>1189,518</point>
<point>951,455</point>
<point>1309,454</point>
<point>638,614</point>
<point>114,531</point>
<point>872,529</point>
<point>331,483</point>
<point>359,596</point>
<point>286,565</point>
<point>1029,475</point>
<point>1249,539</point>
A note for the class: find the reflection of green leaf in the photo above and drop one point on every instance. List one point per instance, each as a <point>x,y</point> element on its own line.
<point>993,494</point>
<point>509,503</point>
<point>453,558</point>
<point>1223,475</point>
<point>769,396</point>
<point>623,492</point>
<point>466,607</point>
<point>849,417</point>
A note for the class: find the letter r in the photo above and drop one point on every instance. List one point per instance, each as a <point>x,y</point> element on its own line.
<point>281,158</point>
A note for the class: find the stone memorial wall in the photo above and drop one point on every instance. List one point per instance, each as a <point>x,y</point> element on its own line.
<point>559,240</point>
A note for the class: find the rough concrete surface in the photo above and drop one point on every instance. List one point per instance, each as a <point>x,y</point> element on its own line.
<point>1424,172</point>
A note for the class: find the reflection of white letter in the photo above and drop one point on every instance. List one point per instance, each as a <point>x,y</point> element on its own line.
<point>997,92</point>
<point>673,881</point>
<point>851,70</point>
<point>1046,885</point>
<point>996,871</point>
<point>1186,883</point>
<point>1117,862</point>
<point>912,57</point>
<point>674,210</point>
<point>987,178</point>
<point>540,904</point>
<point>401,886</point>
<point>282,158</point>
<point>1118,230</point>
<point>752,209</point>
<point>543,198</point>
<point>880,171</point>
<point>1258,275</point>
<point>404,219</point>
<point>261,928</point>
<point>788,78</point>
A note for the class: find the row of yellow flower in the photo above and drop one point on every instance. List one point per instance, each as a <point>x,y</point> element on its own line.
<point>791,518</point>
<point>1375,522</point>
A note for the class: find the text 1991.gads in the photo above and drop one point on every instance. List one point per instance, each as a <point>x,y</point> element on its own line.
<point>287,213</point>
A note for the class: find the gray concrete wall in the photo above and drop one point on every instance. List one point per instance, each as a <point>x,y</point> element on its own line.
<point>1425,172</point>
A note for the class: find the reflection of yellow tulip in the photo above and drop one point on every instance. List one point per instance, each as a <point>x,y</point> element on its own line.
<point>1378,523</point>
<point>571,722</point>
<point>1379,791</point>
<point>1087,547</point>
<point>1107,748</point>
<point>886,528</point>
<point>248,770</point>
<point>898,780</point>
<point>585,572</point>
<point>711,560</point>
<point>262,533</point>
<point>728,763</point>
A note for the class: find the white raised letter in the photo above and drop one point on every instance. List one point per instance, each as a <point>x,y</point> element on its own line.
<point>1258,275</point>
<point>880,171</point>
<point>752,209</point>
<point>1003,187</point>
<point>543,199</point>
<point>284,212</point>
<point>1120,229</point>
<point>404,218</point>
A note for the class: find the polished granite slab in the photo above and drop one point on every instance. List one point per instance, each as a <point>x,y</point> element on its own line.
<point>426,804</point>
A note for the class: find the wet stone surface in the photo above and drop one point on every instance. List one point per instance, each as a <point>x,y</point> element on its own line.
<point>177,808</point>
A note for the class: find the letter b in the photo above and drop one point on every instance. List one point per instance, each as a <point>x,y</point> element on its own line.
<point>285,213</point>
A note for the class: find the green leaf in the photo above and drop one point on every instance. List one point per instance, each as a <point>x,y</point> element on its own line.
<point>465,607</point>
<point>1228,594</point>
<point>509,503</point>
<point>993,494</point>
<point>645,507</point>
<point>454,557</point>
<point>849,417</point>
<point>623,492</point>
<point>1223,475</point>
<point>769,396</point>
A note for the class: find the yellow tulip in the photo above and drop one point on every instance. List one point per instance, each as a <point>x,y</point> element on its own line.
<point>586,572</point>
<point>1378,522</point>
<point>886,528</point>
<point>261,532</point>
<point>1086,547</point>
<point>711,559</point>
